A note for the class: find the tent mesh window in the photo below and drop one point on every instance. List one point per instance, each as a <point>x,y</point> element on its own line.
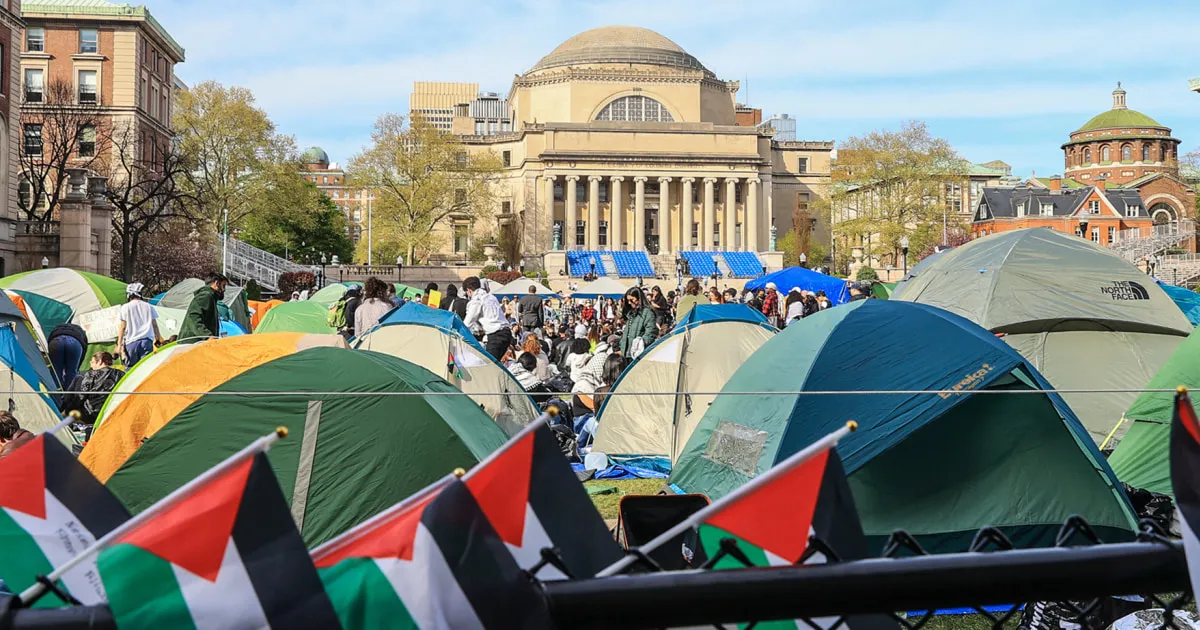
<point>736,446</point>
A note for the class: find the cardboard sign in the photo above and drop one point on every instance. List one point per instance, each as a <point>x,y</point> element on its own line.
<point>435,299</point>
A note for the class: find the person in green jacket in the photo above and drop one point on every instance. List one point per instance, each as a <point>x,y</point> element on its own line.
<point>691,297</point>
<point>640,324</point>
<point>203,320</point>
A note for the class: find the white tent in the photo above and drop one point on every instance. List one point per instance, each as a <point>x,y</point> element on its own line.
<point>520,287</point>
<point>697,358</point>
<point>600,287</point>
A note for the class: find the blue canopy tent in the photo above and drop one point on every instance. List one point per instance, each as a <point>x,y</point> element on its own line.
<point>719,312</point>
<point>1188,301</point>
<point>789,278</point>
<point>600,288</point>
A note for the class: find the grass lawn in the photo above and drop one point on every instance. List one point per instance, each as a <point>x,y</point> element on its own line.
<point>607,502</point>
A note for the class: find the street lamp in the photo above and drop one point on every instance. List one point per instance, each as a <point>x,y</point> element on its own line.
<point>804,260</point>
<point>904,250</point>
<point>321,279</point>
<point>399,268</point>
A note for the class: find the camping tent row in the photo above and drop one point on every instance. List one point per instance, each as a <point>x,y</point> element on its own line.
<point>354,418</point>
<point>334,292</point>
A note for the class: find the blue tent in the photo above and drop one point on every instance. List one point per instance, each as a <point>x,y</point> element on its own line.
<point>231,328</point>
<point>927,459</point>
<point>36,371</point>
<point>719,312</point>
<point>1187,301</point>
<point>786,279</point>
<point>416,313</point>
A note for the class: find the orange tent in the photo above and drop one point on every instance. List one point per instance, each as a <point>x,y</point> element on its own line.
<point>258,309</point>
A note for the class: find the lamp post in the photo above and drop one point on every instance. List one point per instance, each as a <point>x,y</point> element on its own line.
<point>804,260</point>
<point>321,278</point>
<point>904,251</point>
<point>399,268</point>
<point>370,235</point>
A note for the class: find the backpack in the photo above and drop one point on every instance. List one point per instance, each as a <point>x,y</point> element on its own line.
<point>337,314</point>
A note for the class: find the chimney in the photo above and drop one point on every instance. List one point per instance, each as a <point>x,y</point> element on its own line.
<point>1055,183</point>
<point>1101,183</point>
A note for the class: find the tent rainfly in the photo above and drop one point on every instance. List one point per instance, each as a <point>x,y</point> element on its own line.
<point>600,288</point>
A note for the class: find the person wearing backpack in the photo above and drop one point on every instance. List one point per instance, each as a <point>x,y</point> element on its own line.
<point>341,312</point>
<point>89,390</point>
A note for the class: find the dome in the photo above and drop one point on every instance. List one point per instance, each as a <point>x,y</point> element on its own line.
<point>1120,118</point>
<point>620,44</point>
<point>314,155</point>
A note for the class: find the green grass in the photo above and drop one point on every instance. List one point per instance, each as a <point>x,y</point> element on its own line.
<point>607,503</point>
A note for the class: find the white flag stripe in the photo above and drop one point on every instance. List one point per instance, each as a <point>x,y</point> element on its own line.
<point>1191,547</point>
<point>61,537</point>
<point>428,588</point>
<point>229,603</point>
<point>824,623</point>
<point>533,540</point>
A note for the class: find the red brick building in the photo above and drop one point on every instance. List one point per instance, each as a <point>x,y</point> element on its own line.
<point>1096,212</point>
<point>331,180</point>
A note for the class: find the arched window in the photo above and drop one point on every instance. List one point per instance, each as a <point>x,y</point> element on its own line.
<point>635,109</point>
<point>1087,156</point>
<point>1105,155</point>
<point>1145,153</point>
<point>1126,153</point>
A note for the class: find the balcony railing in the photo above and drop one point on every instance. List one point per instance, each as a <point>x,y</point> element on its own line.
<point>37,228</point>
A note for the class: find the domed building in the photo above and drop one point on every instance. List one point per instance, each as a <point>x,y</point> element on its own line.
<point>623,141</point>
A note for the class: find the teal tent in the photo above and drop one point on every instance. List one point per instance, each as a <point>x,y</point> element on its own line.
<point>939,466</point>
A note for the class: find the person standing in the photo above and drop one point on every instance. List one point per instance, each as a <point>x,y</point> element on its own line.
<point>65,347</point>
<point>691,297</point>
<point>485,318</point>
<point>374,306</point>
<point>640,327</point>
<point>203,320</point>
<point>137,331</point>
<point>529,310</point>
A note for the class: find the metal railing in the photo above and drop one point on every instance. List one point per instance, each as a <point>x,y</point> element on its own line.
<point>1135,244</point>
<point>245,262</point>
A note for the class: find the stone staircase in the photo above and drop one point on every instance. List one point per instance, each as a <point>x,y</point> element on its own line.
<point>664,265</point>
<point>723,267</point>
<point>610,266</point>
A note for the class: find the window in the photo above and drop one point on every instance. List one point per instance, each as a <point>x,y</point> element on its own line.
<point>1145,153</point>
<point>1078,232</point>
<point>1105,156</point>
<point>87,86</point>
<point>89,41</point>
<point>24,193</point>
<point>559,195</point>
<point>1087,156</point>
<point>1133,210</point>
<point>154,102</point>
<point>579,229</point>
<point>460,239</point>
<point>460,196</point>
<point>695,235</point>
<point>1094,206</point>
<point>954,197</point>
<point>716,235</point>
<point>505,207</point>
<point>460,158</point>
<point>604,192</point>
<point>1047,209</point>
<point>33,86</point>
<point>802,202</point>
<point>87,141</point>
<point>635,109</point>
<point>1021,209</point>
<point>506,158</point>
<point>1112,233</point>
<point>604,234</point>
<point>580,193</point>
<point>163,110</point>
<point>35,39</point>
<point>32,136</point>
<point>324,179</point>
<point>737,193</point>
<point>1095,235</point>
<point>1127,153</point>
<point>803,165</point>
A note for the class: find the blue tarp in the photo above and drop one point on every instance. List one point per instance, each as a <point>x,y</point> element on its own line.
<point>1188,301</point>
<point>720,312</point>
<point>785,280</point>
<point>616,472</point>
<point>416,313</point>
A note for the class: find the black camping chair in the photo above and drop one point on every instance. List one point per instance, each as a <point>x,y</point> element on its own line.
<point>643,517</point>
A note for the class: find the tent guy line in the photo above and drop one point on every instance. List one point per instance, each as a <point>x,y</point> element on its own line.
<point>880,392</point>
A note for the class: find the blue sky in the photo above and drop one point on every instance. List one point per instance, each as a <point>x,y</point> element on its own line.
<point>999,80</point>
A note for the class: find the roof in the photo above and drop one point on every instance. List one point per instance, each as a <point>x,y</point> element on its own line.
<point>1114,118</point>
<point>314,155</point>
<point>620,44</point>
<point>100,8</point>
<point>1066,183</point>
<point>720,313</point>
<point>1001,202</point>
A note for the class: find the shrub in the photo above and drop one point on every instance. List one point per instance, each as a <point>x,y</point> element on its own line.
<point>253,291</point>
<point>503,277</point>
<point>292,281</point>
<point>866,273</point>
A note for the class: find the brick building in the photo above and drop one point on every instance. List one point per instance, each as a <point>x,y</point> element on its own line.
<point>1096,212</point>
<point>331,180</point>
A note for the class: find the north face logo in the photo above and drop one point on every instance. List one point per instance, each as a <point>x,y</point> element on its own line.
<point>1126,290</point>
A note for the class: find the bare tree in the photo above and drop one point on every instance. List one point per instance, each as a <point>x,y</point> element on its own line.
<point>143,190</point>
<point>60,129</point>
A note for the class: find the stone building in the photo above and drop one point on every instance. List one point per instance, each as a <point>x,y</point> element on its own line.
<point>436,100</point>
<point>11,26</point>
<point>624,141</point>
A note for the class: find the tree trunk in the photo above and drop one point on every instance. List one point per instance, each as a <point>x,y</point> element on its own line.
<point>126,257</point>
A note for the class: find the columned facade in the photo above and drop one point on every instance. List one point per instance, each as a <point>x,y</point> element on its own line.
<point>570,229</point>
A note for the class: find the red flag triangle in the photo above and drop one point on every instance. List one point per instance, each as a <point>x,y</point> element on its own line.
<point>391,539</point>
<point>194,532</point>
<point>1187,416</point>
<point>778,516</point>
<point>501,487</point>
<point>24,475</point>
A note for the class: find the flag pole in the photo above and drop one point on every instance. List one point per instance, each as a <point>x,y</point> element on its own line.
<point>333,545</point>
<point>814,449</point>
<point>263,443</point>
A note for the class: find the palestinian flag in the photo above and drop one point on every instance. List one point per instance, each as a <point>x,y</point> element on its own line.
<point>52,508</point>
<point>1185,479</point>
<point>534,501</point>
<point>432,561</point>
<point>227,555</point>
<point>775,524</point>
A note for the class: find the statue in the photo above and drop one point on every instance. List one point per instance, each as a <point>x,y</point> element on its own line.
<point>557,236</point>
<point>772,238</point>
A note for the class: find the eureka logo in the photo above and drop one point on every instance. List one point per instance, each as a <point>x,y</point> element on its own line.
<point>970,381</point>
<point>1126,290</point>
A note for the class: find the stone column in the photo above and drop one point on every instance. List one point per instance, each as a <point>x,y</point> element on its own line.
<point>769,211</point>
<point>664,215</point>
<point>593,220</point>
<point>752,215</point>
<point>616,227</point>
<point>639,214</point>
<point>569,204</point>
<point>685,215</point>
<point>710,219</point>
<point>729,225</point>
<point>550,208</point>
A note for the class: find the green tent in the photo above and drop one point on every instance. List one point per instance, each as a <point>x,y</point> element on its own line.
<point>335,291</point>
<point>236,309</point>
<point>84,292</point>
<point>1141,459</point>
<point>43,312</point>
<point>1081,314</point>
<point>300,316</point>
<point>939,467</point>
<point>346,457</point>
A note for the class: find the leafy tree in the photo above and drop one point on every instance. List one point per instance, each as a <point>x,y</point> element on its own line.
<point>891,184</point>
<point>866,273</point>
<point>293,218</point>
<point>422,177</point>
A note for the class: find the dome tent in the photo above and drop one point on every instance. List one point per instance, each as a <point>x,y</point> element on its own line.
<point>84,292</point>
<point>602,287</point>
<point>24,395</point>
<point>303,316</point>
<point>180,297</point>
<point>334,292</point>
<point>938,466</point>
<point>699,355</point>
<point>38,375</point>
<point>1187,300</point>
<point>346,458</point>
<point>136,418</point>
<point>438,341</point>
<point>42,312</point>
<point>137,374</point>
<point>520,287</point>
<point>1083,316</point>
